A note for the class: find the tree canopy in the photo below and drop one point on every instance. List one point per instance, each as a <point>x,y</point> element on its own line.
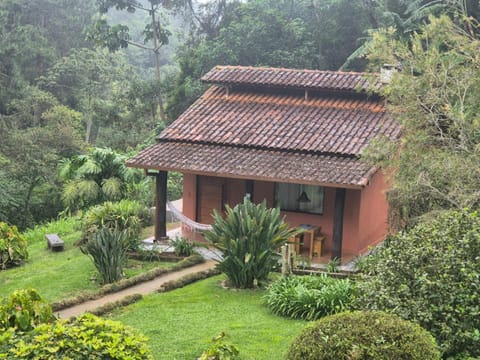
<point>434,97</point>
<point>61,95</point>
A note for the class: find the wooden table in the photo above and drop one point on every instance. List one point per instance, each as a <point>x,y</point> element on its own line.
<point>311,230</point>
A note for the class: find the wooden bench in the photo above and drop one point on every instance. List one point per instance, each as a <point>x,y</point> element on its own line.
<point>54,242</point>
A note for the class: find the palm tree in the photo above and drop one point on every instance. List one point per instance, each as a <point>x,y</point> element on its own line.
<point>93,178</point>
<point>407,16</point>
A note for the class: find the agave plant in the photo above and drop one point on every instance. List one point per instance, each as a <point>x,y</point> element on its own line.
<point>249,238</point>
<point>108,251</point>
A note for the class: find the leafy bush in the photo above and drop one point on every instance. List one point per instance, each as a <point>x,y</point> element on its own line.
<point>182,246</point>
<point>88,337</point>
<point>309,297</point>
<point>108,251</point>
<point>13,246</point>
<point>23,310</point>
<point>363,335</point>
<point>220,350</point>
<point>333,265</point>
<point>249,237</point>
<point>125,215</point>
<point>431,274</point>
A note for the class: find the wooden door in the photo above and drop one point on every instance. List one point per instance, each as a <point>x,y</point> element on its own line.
<point>210,195</point>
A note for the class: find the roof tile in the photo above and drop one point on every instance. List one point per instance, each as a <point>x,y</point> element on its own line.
<point>282,121</point>
<point>288,78</point>
<point>268,165</point>
<point>275,135</point>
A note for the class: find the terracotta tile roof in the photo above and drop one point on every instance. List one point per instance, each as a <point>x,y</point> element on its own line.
<point>333,125</point>
<point>288,78</point>
<point>269,165</point>
<point>274,134</point>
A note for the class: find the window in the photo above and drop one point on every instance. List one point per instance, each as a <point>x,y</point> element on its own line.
<point>287,196</point>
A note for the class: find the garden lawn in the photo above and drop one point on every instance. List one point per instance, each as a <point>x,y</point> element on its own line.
<point>181,323</point>
<point>63,274</point>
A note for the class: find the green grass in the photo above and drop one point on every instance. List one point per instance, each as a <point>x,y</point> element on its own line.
<point>59,275</point>
<point>136,267</point>
<point>181,323</point>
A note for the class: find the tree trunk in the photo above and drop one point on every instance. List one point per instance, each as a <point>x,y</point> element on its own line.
<point>88,131</point>
<point>156,50</point>
<point>26,203</point>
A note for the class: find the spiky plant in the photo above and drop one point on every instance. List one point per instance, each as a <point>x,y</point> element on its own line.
<point>249,236</point>
<point>108,251</point>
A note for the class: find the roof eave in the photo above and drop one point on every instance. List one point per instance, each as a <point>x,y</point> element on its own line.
<point>363,183</point>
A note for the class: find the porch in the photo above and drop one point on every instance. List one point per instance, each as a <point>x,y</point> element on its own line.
<point>348,220</point>
<point>303,258</point>
<point>308,244</point>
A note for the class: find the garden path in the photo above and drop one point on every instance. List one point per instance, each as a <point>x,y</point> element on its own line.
<point>142,288</point>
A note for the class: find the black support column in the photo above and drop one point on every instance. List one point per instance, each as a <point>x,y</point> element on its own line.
<point>161,206</point>
<point>338,223</point>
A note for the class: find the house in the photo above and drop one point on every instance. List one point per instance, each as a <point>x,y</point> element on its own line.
<point>291,137</point>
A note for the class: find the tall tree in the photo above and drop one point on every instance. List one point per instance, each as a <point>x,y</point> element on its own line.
<point>84,80</point>
<point>118,36</point>
<point>40,133</point>
<point>435,99</point>
<point>37,130</point>
<point>408,16</point>
<point>279,33</point>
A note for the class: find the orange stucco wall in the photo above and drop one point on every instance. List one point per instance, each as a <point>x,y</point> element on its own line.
<point>365,213</point>
<point>373,214</point>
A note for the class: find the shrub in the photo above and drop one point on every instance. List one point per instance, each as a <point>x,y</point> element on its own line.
<point>182,246</point>
<point>23,310</point>
<point>125,215</point>
<point>108,251</point>
<point>309,297</point>
<point>88,337</point>
<point>430,274</point>
<point>363,335</point>
<point>13,246</point>
<point>220,350</point>
<point>249,237</point>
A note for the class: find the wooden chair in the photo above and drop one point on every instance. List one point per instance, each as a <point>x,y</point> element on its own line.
<point>317,248</point>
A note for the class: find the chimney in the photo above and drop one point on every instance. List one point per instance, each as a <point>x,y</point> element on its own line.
<point>386,73</point>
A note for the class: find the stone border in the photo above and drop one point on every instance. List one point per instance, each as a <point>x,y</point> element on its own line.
<point>125,283</point>
<point>168,286</point>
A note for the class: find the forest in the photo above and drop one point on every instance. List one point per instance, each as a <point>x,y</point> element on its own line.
<point>85,84</point>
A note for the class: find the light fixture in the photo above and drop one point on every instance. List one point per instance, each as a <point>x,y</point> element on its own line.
<point>303,198</point>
